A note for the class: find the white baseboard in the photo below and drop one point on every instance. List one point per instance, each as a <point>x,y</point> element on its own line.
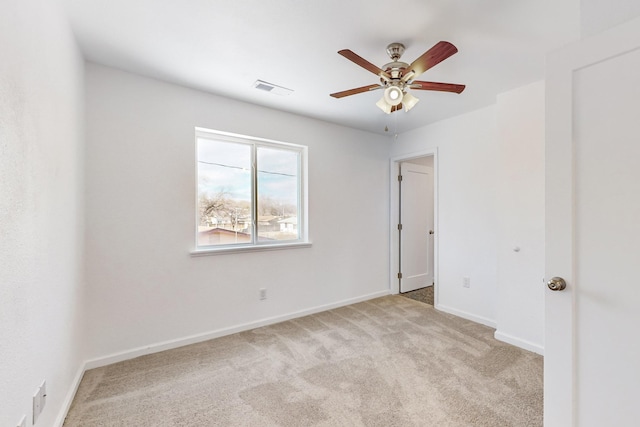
<point>465,315</point>
<point>193,339</point>
<point>518,342</point>
<point>68,399</point>
<point>509,339</point>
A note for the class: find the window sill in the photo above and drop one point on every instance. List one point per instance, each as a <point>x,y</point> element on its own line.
<point>256,248</point>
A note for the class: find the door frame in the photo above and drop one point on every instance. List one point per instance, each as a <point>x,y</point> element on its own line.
<point>394,167</point>
<point>560,375</point>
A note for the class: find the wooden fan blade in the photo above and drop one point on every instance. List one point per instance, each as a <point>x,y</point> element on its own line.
<point>355,91</point>
<point>438,53</point>
<point>395,108</point>
<point>442,87</point>
<point>358,60</point>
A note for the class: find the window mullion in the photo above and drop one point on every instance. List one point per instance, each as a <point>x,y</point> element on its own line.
<point>254,193</point>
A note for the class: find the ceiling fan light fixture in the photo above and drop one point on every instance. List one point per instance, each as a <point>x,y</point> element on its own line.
<point>397,77</point>
<point>393,95</point>
<point>409,101</point>
<point>384,106</point>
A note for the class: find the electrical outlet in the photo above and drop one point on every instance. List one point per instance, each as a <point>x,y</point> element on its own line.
<point>263,293</point>
<point>23,422</point>
<point>466,282</point>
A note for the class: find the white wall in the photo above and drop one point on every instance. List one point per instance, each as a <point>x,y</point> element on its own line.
<point>466,232</point>
<point>520,207</point>
<point>143,286</point>
<point>41,209</point>
<point>599,15</point>
<point>490,168</point>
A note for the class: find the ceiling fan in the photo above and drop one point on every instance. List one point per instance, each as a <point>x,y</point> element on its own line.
<point>396,77</point>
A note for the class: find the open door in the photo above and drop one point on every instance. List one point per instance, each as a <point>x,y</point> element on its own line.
<point>416,230</point>
<point>592,351</point>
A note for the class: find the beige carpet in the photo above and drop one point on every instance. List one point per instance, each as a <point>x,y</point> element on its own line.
<point>424,295</point>
<point>386,362</point>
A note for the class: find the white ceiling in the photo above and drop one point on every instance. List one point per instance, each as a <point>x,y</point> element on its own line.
<point>223,47</point>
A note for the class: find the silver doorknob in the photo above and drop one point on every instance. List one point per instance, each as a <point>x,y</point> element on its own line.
<point>556,284</point>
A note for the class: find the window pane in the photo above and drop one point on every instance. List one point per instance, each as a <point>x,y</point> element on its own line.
<point>278,194</point>
<point>224,193</point>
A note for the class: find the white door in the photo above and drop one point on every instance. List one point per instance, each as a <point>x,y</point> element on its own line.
<point>416,236</point>
<point>592,341</point>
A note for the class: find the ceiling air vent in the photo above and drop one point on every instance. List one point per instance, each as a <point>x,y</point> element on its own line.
<point>270,87</point>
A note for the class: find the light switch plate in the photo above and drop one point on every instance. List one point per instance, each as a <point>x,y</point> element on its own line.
<point>43,395</point>
<point>39,400</point>
<point>36,405</point>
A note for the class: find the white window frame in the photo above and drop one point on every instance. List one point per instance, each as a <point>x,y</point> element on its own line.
<point>255,244</point>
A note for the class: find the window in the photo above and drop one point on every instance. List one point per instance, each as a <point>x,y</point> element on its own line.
<point>250,191</point>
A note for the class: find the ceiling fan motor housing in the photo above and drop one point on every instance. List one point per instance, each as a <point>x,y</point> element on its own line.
<point>395,69</point>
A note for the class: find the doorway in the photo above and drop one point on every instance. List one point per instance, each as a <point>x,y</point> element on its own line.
<point>413,227</point>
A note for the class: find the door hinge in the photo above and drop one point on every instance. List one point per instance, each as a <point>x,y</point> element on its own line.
<point>399,275</point>
<point>400,178</point>
<point>400,227</point>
